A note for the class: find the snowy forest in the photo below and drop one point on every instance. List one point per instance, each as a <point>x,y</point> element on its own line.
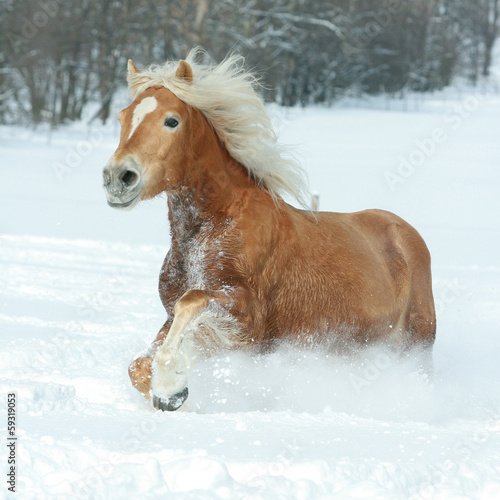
<point>56,57</point>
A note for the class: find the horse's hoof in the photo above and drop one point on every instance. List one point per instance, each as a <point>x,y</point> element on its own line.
<point>170,403</point>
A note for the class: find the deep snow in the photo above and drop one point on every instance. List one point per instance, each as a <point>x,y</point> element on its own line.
<point>78,301</point>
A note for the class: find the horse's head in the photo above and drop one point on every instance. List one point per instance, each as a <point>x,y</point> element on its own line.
<point>178,123</point>
<point>154,142</point>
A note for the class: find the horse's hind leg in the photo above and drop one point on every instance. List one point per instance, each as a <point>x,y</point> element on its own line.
<point>421,321</point>
<point>421,331</point>
<point>139,370</point>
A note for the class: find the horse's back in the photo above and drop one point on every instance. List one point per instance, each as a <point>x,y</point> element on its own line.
<point>364,273</point>
<point>376,237</point>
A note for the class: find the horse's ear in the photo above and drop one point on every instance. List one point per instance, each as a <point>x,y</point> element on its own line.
<point>132,70</point>
<point>133,78</point>
<point>184,71</point>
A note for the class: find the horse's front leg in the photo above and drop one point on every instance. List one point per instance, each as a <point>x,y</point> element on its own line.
<point>201,325</point>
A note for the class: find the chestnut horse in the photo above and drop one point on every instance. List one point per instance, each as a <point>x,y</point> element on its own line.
<point>245,268</point>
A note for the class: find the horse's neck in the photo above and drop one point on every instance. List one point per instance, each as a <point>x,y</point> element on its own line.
<point>193,207</point>
<point>213,183</point>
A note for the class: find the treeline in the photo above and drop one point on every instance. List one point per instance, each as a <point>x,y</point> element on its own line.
<point>56,56</point>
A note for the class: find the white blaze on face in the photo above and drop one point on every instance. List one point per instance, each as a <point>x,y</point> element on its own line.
<point>147,105</point>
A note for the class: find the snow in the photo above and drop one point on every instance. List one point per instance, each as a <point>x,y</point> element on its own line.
<point>79,301</point>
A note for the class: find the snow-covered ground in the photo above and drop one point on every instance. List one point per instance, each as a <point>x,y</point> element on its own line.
<point>78,301</point>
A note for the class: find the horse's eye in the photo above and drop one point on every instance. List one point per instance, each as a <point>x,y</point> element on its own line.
<point>171,122</point>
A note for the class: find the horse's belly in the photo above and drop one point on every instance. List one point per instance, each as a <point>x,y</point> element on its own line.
<point>333,305</point>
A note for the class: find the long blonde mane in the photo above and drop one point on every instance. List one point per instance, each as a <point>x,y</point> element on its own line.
<point>229,98</point>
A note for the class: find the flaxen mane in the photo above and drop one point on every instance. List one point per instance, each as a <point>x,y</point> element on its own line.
<point>229,98</point>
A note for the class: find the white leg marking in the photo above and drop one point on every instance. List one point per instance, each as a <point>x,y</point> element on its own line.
<point>181,348</point>
<point>169,366</point>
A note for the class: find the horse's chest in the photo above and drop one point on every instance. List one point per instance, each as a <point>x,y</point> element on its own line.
<point>196,263</point>
<point>200,258</point>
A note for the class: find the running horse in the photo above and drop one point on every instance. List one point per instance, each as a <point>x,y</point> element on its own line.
<point>245,268</point>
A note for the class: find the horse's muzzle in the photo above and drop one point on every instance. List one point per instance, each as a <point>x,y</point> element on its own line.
<point>171,403</point>
<point>123,183</point>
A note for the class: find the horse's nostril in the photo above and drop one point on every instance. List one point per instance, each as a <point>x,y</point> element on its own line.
<point>106,178</point>
<point>129,178</point>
